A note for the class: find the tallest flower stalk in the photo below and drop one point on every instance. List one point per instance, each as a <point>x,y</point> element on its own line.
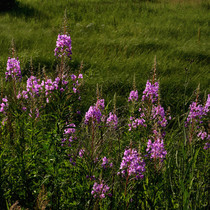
<point>63,46</point>
<point>13,69</point>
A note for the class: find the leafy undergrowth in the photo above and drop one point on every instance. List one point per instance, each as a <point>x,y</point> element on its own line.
<point>115,40</point>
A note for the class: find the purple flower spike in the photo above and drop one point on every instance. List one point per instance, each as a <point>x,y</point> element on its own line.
<point>158,113</point>
<point>100,104</point>
<point>133,96</point>
<point>13,69</point>
<point>156,149</point>
<point>132,164</point>
<point>196,117</point>
<point>196,112</point>
<point>94,112</point>
<point>150,92</point>
<point>112,120</point>
<point>100,190</point>
<point>63,46</point>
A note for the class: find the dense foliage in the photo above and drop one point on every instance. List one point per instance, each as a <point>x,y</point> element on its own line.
<point>54,157</point>
<point>115,40</point>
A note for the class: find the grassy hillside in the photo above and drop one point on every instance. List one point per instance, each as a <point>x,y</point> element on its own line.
<point>115,40</point>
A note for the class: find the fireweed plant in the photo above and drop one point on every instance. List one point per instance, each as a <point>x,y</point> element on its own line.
<point>197,123</point>
<point>26,108</point>
<point>53,157</point>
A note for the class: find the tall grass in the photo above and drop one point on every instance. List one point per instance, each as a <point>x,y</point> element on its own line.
<point>115,40</point>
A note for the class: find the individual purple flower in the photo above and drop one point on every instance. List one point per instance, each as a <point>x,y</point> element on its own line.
<point>80,76</point>
<point>133,96</point>
<point>78,112</point>
<point>63,46</point>
<point>132,164</point>
<point>72,161</point>
<point>100,190</point>
<point>151,92</point>
<point>25,94</point>
<point>112,120</point>
<point>207,146</point>
<point>73,77</point>
<point>4,105</point>
<point>13,69</point>
<point>5,100</point>
<point>19,95</point>
<point>156,149</point>
<point>81,152</point>
<point>202,135</point>
<point>24,108</point>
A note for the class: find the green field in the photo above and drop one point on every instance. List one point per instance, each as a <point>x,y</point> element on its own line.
<point>102,151</point>
<point>115,40</point>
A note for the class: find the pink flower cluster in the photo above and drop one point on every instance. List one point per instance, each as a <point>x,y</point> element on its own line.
<point>132,164</point>
<point>112,120</point>
<point>135,122</point>
<point>63,46</point>
<point>13,69</point>
<point>94,115</point>
<point>100,190</point>
<point>156,149</point>
<point>156,119</point>
<point>158,113</point>
<point>69,133</point>
<point>94,112</point>
<point>151,92</point>
<point>196,116</point>
<point>4,105</point>
<point>76,82</point>
<point>35,88</point>
<point>196,112</point>
<point>133,96</point>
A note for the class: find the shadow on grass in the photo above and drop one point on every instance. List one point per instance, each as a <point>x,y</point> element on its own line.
<point>19,9</point>
<point>195,57</point>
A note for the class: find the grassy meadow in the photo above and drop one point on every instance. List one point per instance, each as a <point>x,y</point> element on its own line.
<point>63,147</point>
<point>115,40</point>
